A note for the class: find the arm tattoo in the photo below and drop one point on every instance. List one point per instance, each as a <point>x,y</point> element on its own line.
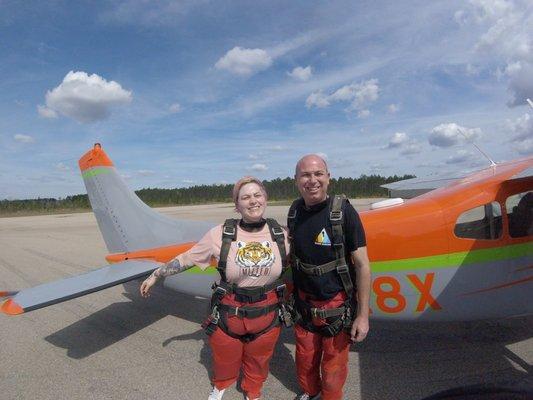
<point>170,268</point>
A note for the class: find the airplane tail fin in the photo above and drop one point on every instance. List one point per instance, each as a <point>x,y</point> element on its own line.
<point>126,223</point>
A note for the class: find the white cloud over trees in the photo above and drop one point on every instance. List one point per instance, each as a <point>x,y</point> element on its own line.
<point>450,134</point>
<point>358,95</point>
<point>84,98</point>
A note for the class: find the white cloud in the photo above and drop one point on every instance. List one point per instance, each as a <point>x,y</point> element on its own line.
<point>187,181</point>
<point>393,108</point>
<point>363,114</point>
<point>360,95</point>
<point>301,74</point>
<point>62,167</point>
<point>277,147</point>
<point>152,13</point>
<point>23,138</point>
<point>258,167</point>
<point>397,140</point>
<point>446,135</point>
<point>85,98</point>
<point>508,35</point>
<point>317,99</point>
<point>146,172</point>
<point>520,76</point>
<point>244,62</point>
<point>174,108</point>
<point>522,128</point>
<point>525,147</point>
<point>253,156</point>
<point>412,147</point>
<point>46,112</point>
<point>460,157</point>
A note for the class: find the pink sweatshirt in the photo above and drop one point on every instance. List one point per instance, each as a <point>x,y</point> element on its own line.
<point>253,258</point>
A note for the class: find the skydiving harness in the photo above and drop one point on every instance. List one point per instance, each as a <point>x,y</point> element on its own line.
<point>338,318</point>
<point>217,317</point>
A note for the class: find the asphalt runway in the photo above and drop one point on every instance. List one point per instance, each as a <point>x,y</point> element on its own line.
<point>115,345</point>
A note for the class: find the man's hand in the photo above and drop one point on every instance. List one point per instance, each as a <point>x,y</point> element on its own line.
<point>359,329</point>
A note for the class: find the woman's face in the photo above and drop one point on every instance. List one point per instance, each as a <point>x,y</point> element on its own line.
<point>251,203</point>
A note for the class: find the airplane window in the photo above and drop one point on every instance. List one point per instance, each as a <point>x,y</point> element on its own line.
<point>483,222</point>
<point>520,212</point>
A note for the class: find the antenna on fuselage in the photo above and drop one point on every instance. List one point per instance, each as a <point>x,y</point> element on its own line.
<point>492,163</point>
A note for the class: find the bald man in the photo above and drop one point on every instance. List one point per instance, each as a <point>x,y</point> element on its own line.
<point>331,275</point>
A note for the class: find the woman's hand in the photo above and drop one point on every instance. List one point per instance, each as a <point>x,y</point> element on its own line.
<point>147,284</point>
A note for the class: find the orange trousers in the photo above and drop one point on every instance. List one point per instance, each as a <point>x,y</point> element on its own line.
<point>231,355</point>
<point>322,362</point>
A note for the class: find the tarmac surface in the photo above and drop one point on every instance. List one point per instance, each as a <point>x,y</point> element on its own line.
<point>115,345</point>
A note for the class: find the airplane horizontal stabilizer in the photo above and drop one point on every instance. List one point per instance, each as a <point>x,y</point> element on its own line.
<point>76,286</point>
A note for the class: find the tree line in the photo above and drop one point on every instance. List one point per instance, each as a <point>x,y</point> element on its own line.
<point>278,189</point>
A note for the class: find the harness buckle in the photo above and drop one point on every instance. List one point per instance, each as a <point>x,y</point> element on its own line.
<point>215,316</point>
<point>319,271</point>
<point>220,291</point>
<point>341,269</point>
<point>228,230</point>
<point>277,231</point>
<point>281,288</point>
<point>316,312</point>
<point>236,312</point>
<point>335,216</point>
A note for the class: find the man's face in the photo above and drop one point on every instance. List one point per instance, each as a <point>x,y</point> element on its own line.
<point>312,180</point>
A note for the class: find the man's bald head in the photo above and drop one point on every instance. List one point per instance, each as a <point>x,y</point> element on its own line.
<point>312,179</point>
<point>310,159</point>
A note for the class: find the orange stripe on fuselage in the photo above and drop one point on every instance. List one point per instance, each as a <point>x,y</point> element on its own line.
<point>95,158</point>
<point>159,254</point>
<point>508,284</point>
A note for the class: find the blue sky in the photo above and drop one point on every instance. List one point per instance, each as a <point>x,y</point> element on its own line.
<point>181,93</point>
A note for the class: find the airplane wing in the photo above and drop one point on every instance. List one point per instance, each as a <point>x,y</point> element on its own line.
<point>65,289</point>
<point>413,187</point>
<point>526,173</point>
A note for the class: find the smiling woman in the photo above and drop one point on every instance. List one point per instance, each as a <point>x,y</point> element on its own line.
<point>244,324</point>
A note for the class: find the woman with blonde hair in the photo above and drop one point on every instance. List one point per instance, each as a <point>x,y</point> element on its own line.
<point>247,303</point>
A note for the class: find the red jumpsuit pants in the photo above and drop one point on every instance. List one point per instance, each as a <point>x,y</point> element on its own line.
<point>231,355</point>
<point>322,362</point>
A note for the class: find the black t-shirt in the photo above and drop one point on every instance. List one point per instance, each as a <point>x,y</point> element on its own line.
<point>313,245</point>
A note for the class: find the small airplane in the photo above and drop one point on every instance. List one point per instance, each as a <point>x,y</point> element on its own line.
<point>463,251</point>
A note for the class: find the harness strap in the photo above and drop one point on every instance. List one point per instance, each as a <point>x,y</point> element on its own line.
<point>254,291</point>
<point>336,218</point>
<point>248,312</point>
<point>315,270</point>
<point>278,236</point>
<point>229,234</point>
<point>248,337</point>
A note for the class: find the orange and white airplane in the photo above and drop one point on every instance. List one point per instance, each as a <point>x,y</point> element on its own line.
<point>463,251</point>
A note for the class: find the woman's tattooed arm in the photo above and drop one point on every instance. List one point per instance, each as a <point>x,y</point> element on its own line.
<point>170,268</point>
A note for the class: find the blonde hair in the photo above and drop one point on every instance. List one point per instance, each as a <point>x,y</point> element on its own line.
<point>243,181</point>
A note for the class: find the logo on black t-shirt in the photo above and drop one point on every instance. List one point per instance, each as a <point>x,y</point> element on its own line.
<point>323,239</point>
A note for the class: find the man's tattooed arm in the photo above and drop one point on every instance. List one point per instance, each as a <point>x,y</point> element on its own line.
<point>170,268</point>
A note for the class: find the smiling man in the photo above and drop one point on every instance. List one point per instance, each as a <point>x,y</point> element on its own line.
<point>331,275</point>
